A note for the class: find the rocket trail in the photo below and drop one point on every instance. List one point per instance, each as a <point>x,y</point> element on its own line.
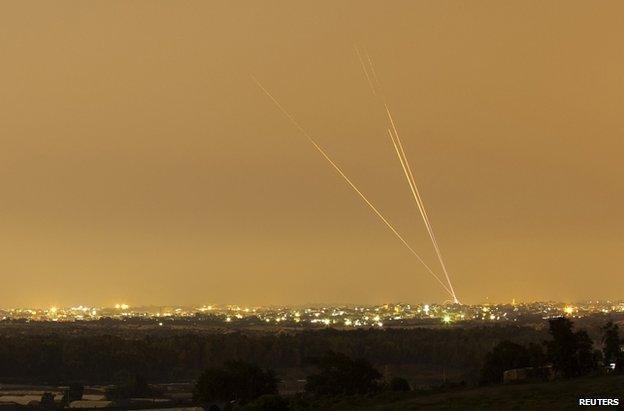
<point>407,170</point>
<point>370,82</point>
<point>424,211</point>
<point>419,203</point>
<point>350,183</point>
<point>372,67</point>
<point>398,148</point>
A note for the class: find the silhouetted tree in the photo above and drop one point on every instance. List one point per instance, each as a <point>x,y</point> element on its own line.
<point>74,392</point>
<point>63,353</point>
<point>561,351</point>
<point>235,380</point>
<point>129,385</point>
<point>504,356</point>
<point>47,401</point>
<point>611,346</point>
<point>339,374</point>
<point>587,356</point>
<point>399,384</point>
<point>571,353</point>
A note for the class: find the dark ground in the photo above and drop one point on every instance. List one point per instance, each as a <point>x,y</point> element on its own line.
<point>554,395</point>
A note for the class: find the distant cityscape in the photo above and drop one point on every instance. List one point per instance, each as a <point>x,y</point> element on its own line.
<point>336,316</point>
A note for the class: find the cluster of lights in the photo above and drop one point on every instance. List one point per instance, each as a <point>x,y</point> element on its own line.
<point>324,316</point>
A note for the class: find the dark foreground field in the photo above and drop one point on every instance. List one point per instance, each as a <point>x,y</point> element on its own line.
<point>555,395</point>
<point>100,352</point>
<point>552,396</point>
<point>123,363</point>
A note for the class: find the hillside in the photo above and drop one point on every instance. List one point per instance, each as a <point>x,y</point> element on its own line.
<point>556,395</point>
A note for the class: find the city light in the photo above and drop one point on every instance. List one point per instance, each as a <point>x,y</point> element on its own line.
<point>386,315</point>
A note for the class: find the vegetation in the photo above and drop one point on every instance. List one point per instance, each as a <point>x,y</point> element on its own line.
<point>236,368</point>
<point>250,388</point>
<point>47,401</point>
<point>235,381</point>
<point>612,347</point>
<point>570,352</point>
<point>561,394</point>
<point>130,386</point>
<point>58,355</point>
<point>399,384</point>
<point>340,375</point>
<point>507,355</point>
<point>74,392</point>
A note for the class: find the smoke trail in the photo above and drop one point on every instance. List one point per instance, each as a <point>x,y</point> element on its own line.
<point>404,161</point>
<point>398,145</point>
<point>349,182</point>
<point>398,148</point>
<point>417,197</point>
<point>372,67</point>
<point>370,83</point>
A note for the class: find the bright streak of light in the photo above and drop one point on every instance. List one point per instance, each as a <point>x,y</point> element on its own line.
<point>370,82</point>
<point>350,183</point>
<point>398,145</point>
<point>407,169</point>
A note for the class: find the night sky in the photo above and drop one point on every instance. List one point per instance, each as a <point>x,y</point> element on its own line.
<point>140,162</point>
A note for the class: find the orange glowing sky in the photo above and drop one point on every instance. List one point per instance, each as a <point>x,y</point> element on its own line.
<point>141,163</point>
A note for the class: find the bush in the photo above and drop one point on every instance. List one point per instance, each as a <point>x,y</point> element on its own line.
<point>130,386</point>
<point>339,374</point>
<point>399,384</point>
<point>504,356</point>
<point>612,347</point>
<point>571,353</point>
<point>236,380</point>
<point>47,401</point>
